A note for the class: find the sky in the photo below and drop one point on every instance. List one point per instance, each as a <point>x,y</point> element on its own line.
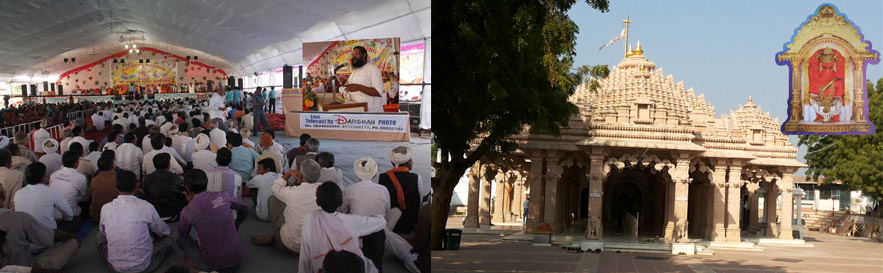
<point>723,49</point>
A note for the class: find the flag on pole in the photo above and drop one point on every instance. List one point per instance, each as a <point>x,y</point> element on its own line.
<point>615,40</point>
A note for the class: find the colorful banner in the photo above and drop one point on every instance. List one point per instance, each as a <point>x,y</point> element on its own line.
<point>388,123</point>
<point>158,72</point>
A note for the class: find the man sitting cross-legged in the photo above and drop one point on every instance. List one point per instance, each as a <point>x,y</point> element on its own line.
<point>217,247</point>
<point>131,236</point>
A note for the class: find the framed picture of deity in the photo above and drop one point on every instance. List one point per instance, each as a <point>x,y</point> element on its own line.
<point>826,59</point>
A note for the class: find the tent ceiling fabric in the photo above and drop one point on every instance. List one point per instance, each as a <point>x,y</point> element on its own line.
<point>240,36</point>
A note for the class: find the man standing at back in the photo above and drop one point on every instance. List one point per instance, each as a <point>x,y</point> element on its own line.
<point>258,110</point>
<point>272,97</point>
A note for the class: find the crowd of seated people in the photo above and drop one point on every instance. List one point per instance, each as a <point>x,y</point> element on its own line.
<point>180,164</point>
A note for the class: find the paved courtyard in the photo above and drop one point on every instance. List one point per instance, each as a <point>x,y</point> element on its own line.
<point>486,252</point>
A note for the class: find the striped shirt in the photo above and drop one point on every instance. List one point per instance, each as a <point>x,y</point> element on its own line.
<point>127,222</point>
<point>224,179</point>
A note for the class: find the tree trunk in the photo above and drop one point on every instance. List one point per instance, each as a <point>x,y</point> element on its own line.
<point>441,202</point>
<point>443,189</point>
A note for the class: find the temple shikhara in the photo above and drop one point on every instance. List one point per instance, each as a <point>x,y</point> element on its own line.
<point>643,149</point>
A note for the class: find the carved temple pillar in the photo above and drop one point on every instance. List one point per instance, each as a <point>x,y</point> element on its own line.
<point>710,191</point>
<point>535,200</point>
<point>754,206</point>
<point>594,225</point>
<point>718,201</point>
<point>553,175</point>
<point>770,211</point>
<point>681,180</point>
<point>471,220</point>
<point>796,103</point>
<point>484,208</point>
<point>859,99</point>
<point>734,202</point>
<point>518,196</point>
<point>500,197</point>
<point>669,212</point>
<point>787,206</point>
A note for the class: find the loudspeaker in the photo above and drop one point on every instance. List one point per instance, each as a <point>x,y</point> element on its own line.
<point>33,90</point>
<point>240,84</point>
<point>45,86</point>
<point>60,90</point>
<point>231,81</point>
<point>24,90</point>
<point>300,76</point>
<point>286,76</point>
<point>52,87</point>
<point>210,85</point>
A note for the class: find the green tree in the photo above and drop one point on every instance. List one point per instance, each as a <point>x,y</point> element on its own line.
<point>855,160</point>
<point>506,64</point>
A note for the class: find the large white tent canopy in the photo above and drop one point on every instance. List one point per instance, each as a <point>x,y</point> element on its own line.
<point>240,36</point>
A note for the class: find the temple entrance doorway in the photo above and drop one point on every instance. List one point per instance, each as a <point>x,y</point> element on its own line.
<point>639,194</point>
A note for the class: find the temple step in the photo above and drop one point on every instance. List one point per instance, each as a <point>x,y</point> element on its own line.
<point>642,248</point>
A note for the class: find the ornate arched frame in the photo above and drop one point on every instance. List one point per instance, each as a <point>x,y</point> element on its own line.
<point>827,27</point>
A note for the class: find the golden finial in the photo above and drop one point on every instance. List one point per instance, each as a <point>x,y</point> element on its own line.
<point>749,99</point>
<point>638,50</point>
<point>630,52</point>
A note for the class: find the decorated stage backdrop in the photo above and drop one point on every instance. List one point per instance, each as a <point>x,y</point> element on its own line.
<point>157,72</point>
<point>826,59</point>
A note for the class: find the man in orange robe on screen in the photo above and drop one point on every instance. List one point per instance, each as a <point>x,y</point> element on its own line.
<point>826,76</point>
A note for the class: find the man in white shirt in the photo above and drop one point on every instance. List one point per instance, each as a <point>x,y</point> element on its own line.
<point>216,105</point>
<point>158,142</point>
<point>71,184</point>
<point>39,136</point>
<point>218,136</point>
<point>66,140</point>
<point>261,184</point>
<point>329,172</point>
<point>289,205</point>
<point>98,120</point>
<point>365,83</point>
<point>129,156</point>
<point>77,133</point>
<point>51,159</point>
<point>41,201</point>
<point>182,143</point>
<point>326,230</point>
<point>203,159</point>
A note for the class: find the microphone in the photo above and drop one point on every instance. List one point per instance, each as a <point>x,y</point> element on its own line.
<point>338,67</point>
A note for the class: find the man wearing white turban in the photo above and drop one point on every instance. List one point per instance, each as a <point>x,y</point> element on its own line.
<point>51,159</point>
<point>367,198</point>
<point>404,189</point>
<point>4,141</point>
<point>204,158</point>
<point>39,136</point>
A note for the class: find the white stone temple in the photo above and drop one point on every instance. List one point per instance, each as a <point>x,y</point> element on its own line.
<point>645,146</point>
